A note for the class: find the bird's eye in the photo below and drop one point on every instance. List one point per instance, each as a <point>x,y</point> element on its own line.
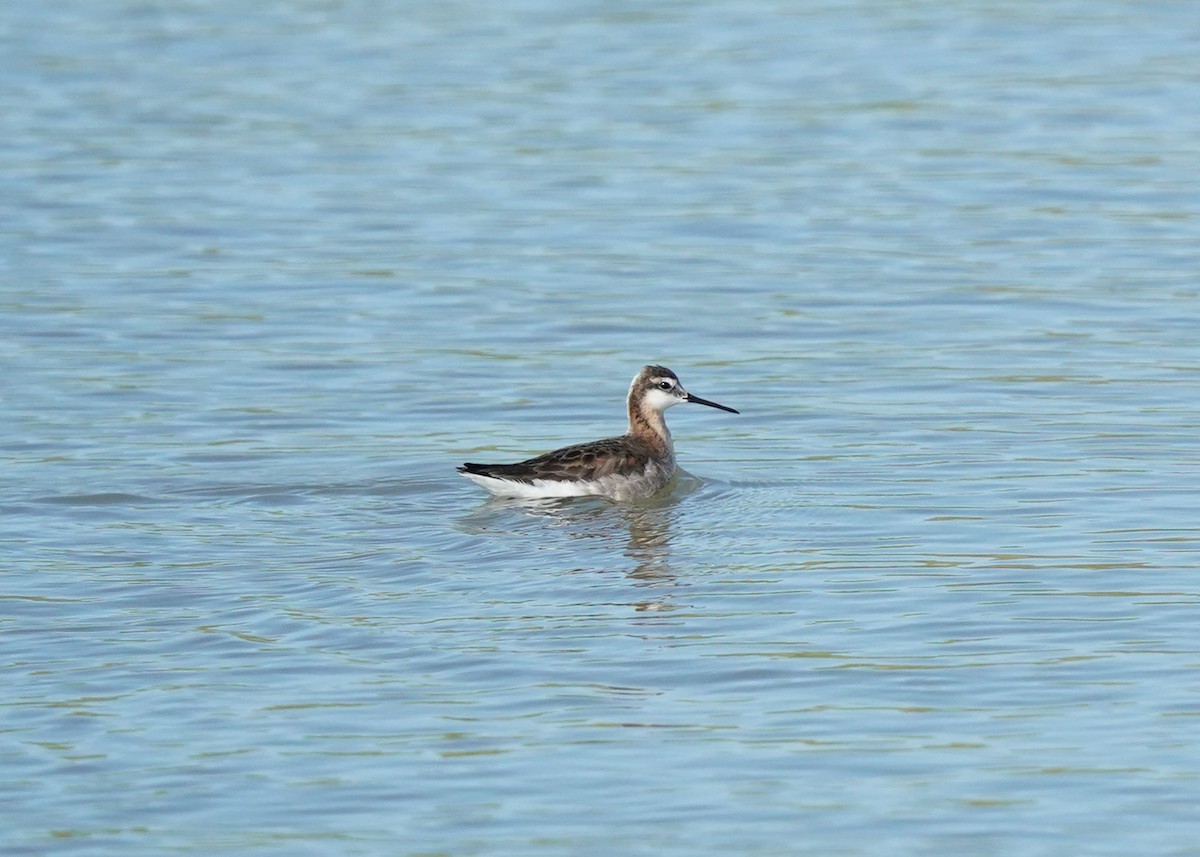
<point>664,385</point>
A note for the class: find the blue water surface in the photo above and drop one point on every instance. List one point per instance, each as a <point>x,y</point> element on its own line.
<point>268,272</point>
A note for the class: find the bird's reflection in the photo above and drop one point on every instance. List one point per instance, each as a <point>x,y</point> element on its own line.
<point>643,528</point>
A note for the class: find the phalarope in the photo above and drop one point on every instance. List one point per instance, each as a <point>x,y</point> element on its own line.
<point>628,467</point>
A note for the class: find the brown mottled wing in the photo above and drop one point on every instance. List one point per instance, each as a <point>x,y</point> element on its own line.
<point>584,461</point>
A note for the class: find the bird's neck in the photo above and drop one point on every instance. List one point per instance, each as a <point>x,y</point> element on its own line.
<point>650,426</point>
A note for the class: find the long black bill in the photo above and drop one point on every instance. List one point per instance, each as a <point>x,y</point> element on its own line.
<point>697,400</point>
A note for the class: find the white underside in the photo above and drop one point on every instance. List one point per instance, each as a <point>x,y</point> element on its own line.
<point>616,487</point>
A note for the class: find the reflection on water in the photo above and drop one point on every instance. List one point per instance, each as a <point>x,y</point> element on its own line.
<point>642,529</point>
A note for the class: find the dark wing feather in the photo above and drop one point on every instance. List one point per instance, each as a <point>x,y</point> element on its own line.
<point>583,461</point>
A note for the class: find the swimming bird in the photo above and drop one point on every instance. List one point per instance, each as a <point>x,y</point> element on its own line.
<point>628,467</point>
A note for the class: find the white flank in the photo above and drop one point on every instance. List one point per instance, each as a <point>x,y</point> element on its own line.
<point>616,487</point>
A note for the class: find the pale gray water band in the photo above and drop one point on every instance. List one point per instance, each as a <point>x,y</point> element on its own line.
<point>270,271</point>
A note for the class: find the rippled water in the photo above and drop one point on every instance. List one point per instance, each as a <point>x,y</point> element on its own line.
<point>270,271</point>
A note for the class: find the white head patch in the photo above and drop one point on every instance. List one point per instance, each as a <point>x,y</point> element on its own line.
<point>659,399</point>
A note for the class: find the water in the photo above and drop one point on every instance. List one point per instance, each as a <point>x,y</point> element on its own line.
<point>270,271</point>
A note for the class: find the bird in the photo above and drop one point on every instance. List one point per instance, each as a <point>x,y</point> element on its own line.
<point>631,466</point>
